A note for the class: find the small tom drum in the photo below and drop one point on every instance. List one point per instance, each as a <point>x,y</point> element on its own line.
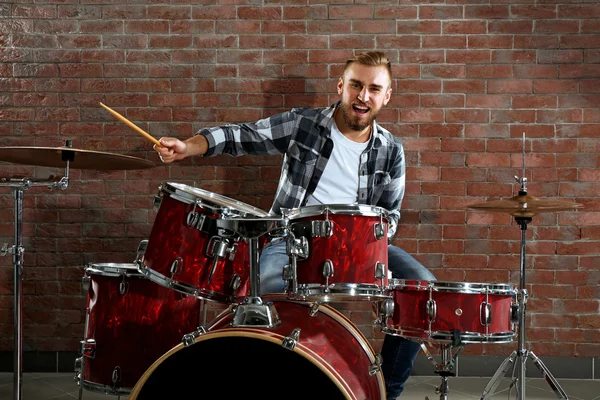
<point>450,312</point>
<point>187,252</point>
<point>337,253</point>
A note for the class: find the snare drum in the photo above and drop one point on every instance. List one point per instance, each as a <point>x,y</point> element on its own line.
<point>130,322</point>
<point>188,253</point>
<point>446,312</point>
<point>340,253</point>
<point>315,351</point>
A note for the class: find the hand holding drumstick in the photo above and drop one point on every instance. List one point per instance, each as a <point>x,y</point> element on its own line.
<point>169,149</point>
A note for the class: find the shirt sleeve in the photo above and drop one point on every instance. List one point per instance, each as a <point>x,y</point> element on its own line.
<point>394,191</point>
<point>268,136</point>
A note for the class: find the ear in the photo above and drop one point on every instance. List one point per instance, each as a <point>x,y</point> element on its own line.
<point>340,86</point>
<point>387,97</point>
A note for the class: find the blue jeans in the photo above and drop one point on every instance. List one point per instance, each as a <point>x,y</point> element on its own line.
<point>397,352</point>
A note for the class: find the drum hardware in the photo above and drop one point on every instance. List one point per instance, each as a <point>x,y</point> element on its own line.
<point>252,312</point>
<point>445,368</point>
<point>327,273</point>
<point>290,341</point>
<point>523,208</point>
<point>379,229</point>
<point>218,248</point>
<point>381,272</point>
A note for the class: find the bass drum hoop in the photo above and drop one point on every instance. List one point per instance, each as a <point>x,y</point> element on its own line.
<point>245,333</point>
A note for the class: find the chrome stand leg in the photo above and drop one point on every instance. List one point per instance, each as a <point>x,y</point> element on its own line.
<point>519,357</point>
<point>17,255</point>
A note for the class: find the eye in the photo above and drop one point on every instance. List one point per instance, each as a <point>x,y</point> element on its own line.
<point>354,85</point>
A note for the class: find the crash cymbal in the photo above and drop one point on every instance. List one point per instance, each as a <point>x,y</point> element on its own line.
<point>525,206</point>
<point>80,159</point>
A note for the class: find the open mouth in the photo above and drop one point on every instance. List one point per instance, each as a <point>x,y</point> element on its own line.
<point>360,109</point>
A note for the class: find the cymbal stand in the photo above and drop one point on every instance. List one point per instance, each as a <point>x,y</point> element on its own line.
<point>17,250</point>
<point>521,355</point>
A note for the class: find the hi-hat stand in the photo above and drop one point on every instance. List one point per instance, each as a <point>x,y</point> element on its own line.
<point>518,358</point>
<point>17,250</point>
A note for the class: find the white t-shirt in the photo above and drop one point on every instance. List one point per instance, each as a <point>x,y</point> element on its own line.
<point>339,182</point>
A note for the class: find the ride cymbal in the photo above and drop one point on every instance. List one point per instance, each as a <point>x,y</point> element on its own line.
<point>525,206</point>
<point>80,159</point>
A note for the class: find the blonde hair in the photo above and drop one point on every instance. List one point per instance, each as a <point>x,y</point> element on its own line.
<point>372,59</point>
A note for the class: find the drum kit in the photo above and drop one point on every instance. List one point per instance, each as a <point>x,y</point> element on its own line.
<point>146,332</point>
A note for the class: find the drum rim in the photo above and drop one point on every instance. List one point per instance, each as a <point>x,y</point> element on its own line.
<point>114,269</point>
<point>192,193</point>
<point>338,209</point>
<point>449,286</point>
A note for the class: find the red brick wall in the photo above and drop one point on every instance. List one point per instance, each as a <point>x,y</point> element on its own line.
<point>471,78</point>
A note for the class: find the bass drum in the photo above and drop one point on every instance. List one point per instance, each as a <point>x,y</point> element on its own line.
<point>330,359</point>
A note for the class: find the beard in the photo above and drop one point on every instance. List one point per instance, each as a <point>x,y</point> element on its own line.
<point>357,122</point>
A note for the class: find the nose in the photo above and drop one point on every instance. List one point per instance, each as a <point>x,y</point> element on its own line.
<point>364,95</point>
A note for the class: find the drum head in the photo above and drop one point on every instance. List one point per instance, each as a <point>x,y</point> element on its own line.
<point>347,209</point>
<point>225,204</point>
<point>228,367</point>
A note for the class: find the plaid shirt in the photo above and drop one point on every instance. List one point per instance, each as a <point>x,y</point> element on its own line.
<point>303,136</point>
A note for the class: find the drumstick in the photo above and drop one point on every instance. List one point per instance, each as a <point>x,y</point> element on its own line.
<point>131,125</point>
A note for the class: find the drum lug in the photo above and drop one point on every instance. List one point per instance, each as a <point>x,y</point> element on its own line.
<point>85,283</point>
<point>123,287</point>
<point>515,312</point>
<point>327,272</point>
<point>141,251</point>
<point>189,338</point>
<point>322,228</point>
<point>376,366</point>
<point>78,366</point>
<point>431,310</point>
<point>386,310</point>
<point>485,313</point>
<point>232,251</point>
<point>314,309</point>
<point>235,282</point>
<point>195,219</point>
<point>157,201</point>
<point>116,377</point>
<point>87,348</point>
<point>290,341</point>
<point>175,267</point>
<point>380,272</point>
<point>379,231</point>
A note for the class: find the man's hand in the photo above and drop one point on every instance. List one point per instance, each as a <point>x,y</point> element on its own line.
<point>173,149</point>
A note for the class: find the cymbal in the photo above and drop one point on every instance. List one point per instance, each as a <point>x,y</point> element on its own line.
<point>525,206</point>
<point>80,159</point>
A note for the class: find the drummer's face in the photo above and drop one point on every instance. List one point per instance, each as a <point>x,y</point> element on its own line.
<point>365,90</point>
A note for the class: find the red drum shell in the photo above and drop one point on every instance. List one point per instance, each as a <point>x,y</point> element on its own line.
<point>172,239</point>
<point>331,360</point>
<point>458,306</point>
<point>133,329</point>
<point>353,249</point>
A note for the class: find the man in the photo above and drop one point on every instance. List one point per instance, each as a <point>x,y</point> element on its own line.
<point>333,155</point>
